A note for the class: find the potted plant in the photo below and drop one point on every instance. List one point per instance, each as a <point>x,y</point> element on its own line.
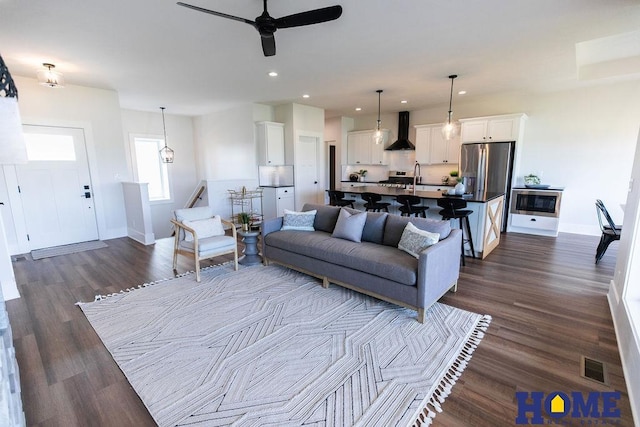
<point>532,179</point>
<point>245,220</point>
<point>362,173</point>
<point>454,174</point>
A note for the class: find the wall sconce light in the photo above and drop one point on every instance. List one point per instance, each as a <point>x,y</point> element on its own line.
<point>49,77</point>
<point>166,153</point>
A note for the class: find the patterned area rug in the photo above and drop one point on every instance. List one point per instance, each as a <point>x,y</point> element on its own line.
<point>68,249</point>
<point>270,346</point>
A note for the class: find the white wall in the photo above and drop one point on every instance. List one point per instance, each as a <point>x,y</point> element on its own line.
<point>97,111</point>
<point>182,171</point>
<point>582,139</point>
<point>302,120</point>
<point>226,152</point>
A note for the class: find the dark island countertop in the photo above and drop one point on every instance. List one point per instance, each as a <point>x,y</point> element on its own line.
<point>483,197</point>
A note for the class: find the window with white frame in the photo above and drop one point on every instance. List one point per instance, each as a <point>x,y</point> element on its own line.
<point>148,166</point>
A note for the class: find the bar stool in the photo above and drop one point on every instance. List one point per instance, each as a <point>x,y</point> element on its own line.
<point>374,203</point>
<point>410,206</point>
<point>454,208</point>
<point>336,198</point>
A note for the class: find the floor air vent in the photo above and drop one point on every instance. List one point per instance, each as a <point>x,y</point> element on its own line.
<point>19,258</point>
<point>593,370</point>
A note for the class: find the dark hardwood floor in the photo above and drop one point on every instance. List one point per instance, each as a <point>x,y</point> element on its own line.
<point>546,296</point>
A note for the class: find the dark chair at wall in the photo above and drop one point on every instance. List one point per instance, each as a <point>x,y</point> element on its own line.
<point>336,198</point>
<point>453,208</point>
<point>410,205</point>
<point>373,202</point>
<point>610,231</point>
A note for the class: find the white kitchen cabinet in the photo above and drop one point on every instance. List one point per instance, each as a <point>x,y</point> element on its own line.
<point>276,199</point>
<point>270,141</point>
<point>361,150</point>
<point>432,148</point>
<point>492,128</point>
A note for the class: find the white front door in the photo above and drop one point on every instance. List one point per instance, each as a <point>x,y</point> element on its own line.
<point>55,187</point>
<point>307,183</point>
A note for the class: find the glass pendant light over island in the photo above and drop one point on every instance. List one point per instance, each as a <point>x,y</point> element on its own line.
<point>377,135</point>
<point>449,129</point>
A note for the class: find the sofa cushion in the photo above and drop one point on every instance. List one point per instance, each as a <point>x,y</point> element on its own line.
<point>349,226</point>
<point>298,220</point>
<point>326,216</point>
<point>383,261</point>
<point>395,225</point>
<point>373,226</point>
<point>414,240</point>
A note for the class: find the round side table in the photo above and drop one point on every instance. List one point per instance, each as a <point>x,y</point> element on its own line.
<point>250,240</point>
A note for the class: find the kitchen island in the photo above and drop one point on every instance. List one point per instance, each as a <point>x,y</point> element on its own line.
<point>485,221</point>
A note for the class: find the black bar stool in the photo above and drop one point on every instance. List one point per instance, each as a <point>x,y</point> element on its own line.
<point>373,202</point>
<point>336,198</point>
<point>453,208</point>
<point>410,206</point>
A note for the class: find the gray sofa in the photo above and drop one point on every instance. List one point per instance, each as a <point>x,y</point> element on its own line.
<point>374,266</point>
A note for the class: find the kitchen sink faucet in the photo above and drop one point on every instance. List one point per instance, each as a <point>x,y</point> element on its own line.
<point>416,175</point>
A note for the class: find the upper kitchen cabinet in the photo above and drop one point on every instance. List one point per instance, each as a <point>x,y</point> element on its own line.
<point>492,128</point>
<point>432,148</point>
<point>361,150</point>
<point>270,141</point>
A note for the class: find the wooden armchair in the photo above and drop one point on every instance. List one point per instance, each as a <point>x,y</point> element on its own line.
<point>200,234</point>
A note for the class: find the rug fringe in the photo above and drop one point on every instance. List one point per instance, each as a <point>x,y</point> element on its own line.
<point>155,282</point>
<point>432,407</point>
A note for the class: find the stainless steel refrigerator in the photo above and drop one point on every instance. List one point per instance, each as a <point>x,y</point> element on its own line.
<point>487,168</point>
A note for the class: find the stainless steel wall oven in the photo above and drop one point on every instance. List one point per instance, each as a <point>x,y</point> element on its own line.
<point>536,202</point>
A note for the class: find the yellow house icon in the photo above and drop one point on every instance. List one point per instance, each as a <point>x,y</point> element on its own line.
<point>557,405</point>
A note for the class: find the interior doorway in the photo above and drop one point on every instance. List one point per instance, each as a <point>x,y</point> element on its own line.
<point>55,187</point>
<point>307,167</point>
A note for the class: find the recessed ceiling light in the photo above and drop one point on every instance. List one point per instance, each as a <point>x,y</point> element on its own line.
<point>462,92</point>
<point>404,101</point>
<point>306,95</point>
<point>273,74</point>
<point>358,109</point>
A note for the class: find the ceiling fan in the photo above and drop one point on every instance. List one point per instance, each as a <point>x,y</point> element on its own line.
<point>267,25</point>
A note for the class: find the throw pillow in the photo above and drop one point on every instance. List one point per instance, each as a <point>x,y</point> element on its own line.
<point>204,228</point>
<point>349,226</point>
<point>298,220</point>
<point>414,240</point>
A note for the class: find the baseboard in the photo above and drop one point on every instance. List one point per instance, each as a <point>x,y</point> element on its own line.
<point>144,238</point>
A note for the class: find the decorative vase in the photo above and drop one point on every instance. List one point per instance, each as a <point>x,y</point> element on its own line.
<point>245,227</point>
<point>459,188</point>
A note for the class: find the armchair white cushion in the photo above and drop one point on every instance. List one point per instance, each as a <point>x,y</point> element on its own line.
<point>200,234</point>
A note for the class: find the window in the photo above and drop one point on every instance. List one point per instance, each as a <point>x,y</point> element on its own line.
<point>44,147</point>
<point>148,166</point>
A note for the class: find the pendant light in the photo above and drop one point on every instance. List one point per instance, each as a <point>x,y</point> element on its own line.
<point>49,77</point>
<point>449,129</point>
<point>166,153</point>
<point>377,134</point>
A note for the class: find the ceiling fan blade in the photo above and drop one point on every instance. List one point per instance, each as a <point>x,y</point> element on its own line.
<point>310,17</point>
<point>212,12</point>
<point>268,45</point>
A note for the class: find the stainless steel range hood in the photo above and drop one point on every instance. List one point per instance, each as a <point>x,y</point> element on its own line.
<point>403,142</point>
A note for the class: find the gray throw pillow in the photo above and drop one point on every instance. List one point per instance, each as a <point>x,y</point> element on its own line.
<point>414,240</point>
<point>298,220</point>
<point>349,226</point>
